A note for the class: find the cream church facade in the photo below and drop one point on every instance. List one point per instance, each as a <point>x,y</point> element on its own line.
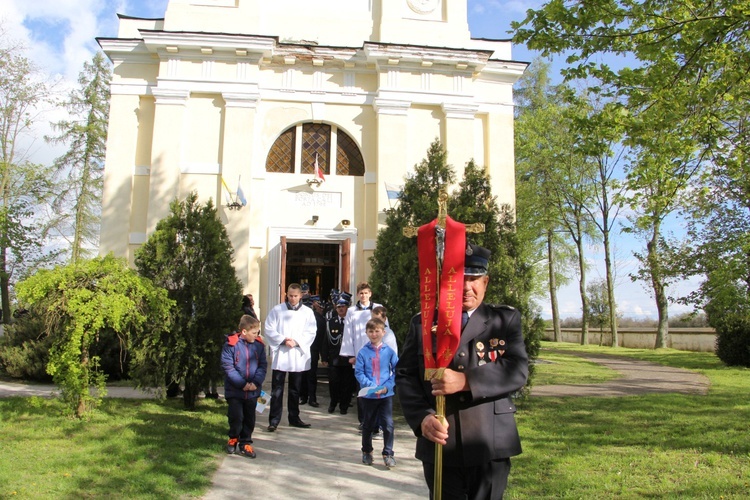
<point>252,94</point>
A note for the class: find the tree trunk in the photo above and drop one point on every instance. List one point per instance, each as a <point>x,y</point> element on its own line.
<point>660,294</point>
<point>553,288</point>
<point>81,408</point>
<point>5,285</point>
<point>610,289</point>
<point>582,288</point>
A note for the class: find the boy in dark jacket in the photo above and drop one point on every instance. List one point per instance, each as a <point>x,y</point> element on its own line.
<point>243,359</point>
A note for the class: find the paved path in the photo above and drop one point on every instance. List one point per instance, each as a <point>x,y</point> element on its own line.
<point>324,462</point>
<point>638,377</point>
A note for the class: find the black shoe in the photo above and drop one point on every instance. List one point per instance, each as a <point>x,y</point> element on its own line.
<point>303,401</point>
<point>344,411</point>
<point>212,395</point>
<point>314,404</point>
<point>271,428</point>
<point>331,409</point>
<point>300,424</point>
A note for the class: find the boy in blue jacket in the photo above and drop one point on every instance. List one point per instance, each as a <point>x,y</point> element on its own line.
<point>375,370</point>
<point>243,360</point>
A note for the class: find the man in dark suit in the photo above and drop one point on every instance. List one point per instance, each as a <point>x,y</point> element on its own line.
<point>490,364</point>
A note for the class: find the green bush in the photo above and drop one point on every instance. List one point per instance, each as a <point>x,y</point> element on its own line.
<point>24,349</point>
<point>733,340</point>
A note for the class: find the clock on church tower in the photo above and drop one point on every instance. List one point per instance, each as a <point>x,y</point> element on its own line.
<point>423,6</point>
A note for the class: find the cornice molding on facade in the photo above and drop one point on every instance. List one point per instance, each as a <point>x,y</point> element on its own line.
<point>129,88</point>
<point>386,106</point>
<point>242,99</point>
<point>419,57</point>
<point>170,96</point>
<point>460,110</point>
<point>132,51</point>
<point>254,46</point>
<point>502,71</point>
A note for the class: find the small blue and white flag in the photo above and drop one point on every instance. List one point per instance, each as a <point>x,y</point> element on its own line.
<point>240,195</point>
<point>394,192</point>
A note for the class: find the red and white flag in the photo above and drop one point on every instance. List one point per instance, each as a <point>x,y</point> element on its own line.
<point>318,171</point>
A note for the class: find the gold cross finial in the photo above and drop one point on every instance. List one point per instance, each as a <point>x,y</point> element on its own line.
<point>477,227</point>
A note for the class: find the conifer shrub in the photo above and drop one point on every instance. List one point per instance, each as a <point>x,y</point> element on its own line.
<point>733,340</point>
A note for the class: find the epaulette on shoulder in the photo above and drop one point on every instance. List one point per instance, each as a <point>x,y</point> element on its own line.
<point>502,306</point>
<point>233,339</point>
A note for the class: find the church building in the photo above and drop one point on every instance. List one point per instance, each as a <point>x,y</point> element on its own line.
<point>297,118</point>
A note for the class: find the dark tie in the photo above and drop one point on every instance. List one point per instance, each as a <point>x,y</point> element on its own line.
<point>464,319</point>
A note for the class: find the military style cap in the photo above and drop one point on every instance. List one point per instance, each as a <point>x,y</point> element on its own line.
<point>342,302</point>
<point>477,260</point>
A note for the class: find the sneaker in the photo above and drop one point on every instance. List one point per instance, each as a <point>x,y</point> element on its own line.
<point>389,461</point>
<point>367,458</point>
<point>247,451</point>
<point>232,446</point>
<point>377,435</point>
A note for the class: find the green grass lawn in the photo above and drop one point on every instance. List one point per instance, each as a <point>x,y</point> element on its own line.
<point>654,446</point>
<point>127,449</point>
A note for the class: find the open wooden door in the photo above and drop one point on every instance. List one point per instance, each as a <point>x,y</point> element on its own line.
<point>282,279</point>
<point>345,266</point>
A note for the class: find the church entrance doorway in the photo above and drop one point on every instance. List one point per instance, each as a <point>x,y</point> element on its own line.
<point>319,265</point>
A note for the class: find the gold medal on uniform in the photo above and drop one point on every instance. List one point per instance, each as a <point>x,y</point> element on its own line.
<point>480,353</point>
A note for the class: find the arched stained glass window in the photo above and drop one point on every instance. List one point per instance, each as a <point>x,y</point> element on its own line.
<point>315,141</point>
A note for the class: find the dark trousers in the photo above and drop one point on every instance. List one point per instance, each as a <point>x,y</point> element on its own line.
<point>309,388</point>
<point>483,482</point>
<point>376,412</point>
<point>341,385</point>
<point>241,415</point>
<point>277,396</point>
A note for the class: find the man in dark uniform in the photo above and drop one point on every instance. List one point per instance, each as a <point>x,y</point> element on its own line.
<point>489,365</point>
<point>308,392</point>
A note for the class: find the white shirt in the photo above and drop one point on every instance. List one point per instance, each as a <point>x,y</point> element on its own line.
<point>355,334</point>
<point>300,325</point>
<point>389,339</point>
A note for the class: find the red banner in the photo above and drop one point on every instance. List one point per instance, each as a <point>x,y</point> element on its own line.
<point>445,291</point>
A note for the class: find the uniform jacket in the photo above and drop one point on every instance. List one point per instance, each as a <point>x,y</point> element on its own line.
<point>376,367</point>
<point>493,357</point>
<point>243,362</point>
<point>332,345</point>
<point>300,325</point>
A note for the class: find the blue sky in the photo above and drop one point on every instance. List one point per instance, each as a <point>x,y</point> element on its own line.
<point>60,35</point>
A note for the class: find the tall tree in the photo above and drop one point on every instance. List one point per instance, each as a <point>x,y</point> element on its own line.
<point>24,186</point>
<point>190,255</point>
<point>540,133</point>
<point>598,133</point>
<point>691,72</point>
<point>80,169</point>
